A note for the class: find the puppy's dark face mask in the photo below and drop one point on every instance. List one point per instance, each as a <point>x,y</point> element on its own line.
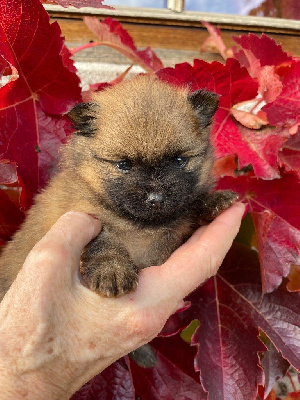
<point>153,194</point>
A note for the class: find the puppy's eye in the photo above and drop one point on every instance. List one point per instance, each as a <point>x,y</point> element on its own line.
<point>180,162</point>
<point>124,165</point>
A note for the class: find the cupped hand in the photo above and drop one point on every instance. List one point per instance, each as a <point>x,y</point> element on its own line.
<point>56,334</point>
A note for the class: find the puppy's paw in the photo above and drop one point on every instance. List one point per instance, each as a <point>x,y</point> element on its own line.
<point>110,280</point>
<point>215,203</point>
<point>223,200</point>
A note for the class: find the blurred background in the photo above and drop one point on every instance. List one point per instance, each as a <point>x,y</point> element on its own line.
<point>289,9</point>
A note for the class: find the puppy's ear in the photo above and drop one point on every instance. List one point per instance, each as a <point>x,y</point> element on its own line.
<point>205,104</point>
<point>83,117</point>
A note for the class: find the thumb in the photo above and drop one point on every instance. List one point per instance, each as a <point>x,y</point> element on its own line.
<point>53,261</point>
<point>63,243</point>
<point>196,260</point>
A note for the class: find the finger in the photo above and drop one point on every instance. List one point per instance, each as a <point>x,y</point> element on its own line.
<point>64,242</point>
<point>197,234</point>
<point>196,260</point>
<point>216,230</point>
<point>54,260</point>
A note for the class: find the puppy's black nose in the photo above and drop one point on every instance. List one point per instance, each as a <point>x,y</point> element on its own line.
<point>155,199</point>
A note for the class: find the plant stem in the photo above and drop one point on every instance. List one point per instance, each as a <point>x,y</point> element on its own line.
<point>84,46</point>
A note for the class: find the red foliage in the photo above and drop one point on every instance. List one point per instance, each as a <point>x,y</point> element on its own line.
<point>114,383</point>
<point>112,34</point>
<point>274,366</point>
<point>231,308</point>
<point>258,52</point>
<point>256,139</point>
<point>215,41</point>
<point>285,109</point>
<point>234,85</point>
<point>289,155</point>
<point>31,104</point>
<point>277,226</point>
<point>172,377</point>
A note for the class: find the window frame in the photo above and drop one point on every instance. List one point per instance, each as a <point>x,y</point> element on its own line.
<point>184,18</point>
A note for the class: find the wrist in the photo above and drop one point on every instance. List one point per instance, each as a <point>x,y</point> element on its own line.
<point>29,385</point>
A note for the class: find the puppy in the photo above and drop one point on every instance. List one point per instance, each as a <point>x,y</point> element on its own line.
<point>141,161</point>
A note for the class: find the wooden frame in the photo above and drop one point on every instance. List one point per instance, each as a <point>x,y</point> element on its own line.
<point>165,29</point>
<point>184,18</point>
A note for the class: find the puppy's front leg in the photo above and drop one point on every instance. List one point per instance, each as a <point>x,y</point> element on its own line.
<point>108,270</point>
<point>106,267</point>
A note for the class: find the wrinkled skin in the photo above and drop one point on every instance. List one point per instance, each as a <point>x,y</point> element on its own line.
<point>67,333</point>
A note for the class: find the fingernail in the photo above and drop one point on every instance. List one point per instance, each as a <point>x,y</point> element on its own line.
<point>242,206</point>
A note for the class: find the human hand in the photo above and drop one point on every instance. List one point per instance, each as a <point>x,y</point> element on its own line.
<point>56,334</point>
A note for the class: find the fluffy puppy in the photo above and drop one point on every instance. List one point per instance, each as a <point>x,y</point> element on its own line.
<point>141,161</point>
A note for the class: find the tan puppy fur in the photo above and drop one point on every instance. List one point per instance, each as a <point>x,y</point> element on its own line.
<point>141,162</point>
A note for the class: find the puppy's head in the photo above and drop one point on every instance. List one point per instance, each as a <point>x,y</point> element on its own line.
<point>143,147</point>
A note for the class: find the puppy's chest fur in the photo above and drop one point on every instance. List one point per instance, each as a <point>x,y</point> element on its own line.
<point>142,248</point>
<point>147,248</point>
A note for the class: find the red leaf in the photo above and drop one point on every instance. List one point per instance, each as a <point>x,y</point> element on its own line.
<point>265,60</point>
<point>290,154</point>
<point>248,113</point>
<point>8,172</point>
<point>7,69</point>
<point>53,133</point>
<point>257,148</point>
<point>275,367</point>
<point>179,352</point>
<point>276,212</point>
<point>225,166</point>
<point>173,378</point>
<point>271,396</point>
<point>293,396</point>
<point>165,381</point>
<point>230,81</point>
<point>111,33</point>
<point>98,87</point>
<point>224,322</point>
<point>269,195</point>
<point>270,85</point>
<point>234,85</point>
<point>114,383</point>
<point>216,41</point>
<point>231,308</point>
<point>261,150</point>
<point>285,110</point>
<point>45,86</point>
<point>294,279</point>
<point>10,215</point>
<point>278,246</point>
<point>67,60</point>
<point>258,52</point>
